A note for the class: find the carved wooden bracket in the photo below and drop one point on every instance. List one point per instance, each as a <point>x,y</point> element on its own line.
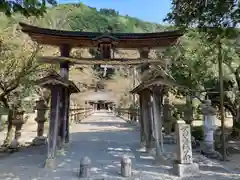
<point>105,44</point>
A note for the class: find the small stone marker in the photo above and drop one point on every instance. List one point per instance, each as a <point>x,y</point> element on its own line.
<point>126,166</point>
<point>85,163</point>
<point>184,165</point>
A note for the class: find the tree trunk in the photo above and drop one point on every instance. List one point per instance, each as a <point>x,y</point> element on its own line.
<point>236,124</point>
<point>8,138</point>
<point>188,115</point>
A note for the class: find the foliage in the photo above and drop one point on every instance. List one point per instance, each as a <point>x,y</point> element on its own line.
<point>190,64</point>
<point>17,64</point>
<point>205,13</point>
<point>198,133</point>
<point>109,12</point>
<point>25,7</point>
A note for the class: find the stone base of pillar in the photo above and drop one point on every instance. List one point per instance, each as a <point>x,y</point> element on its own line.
<point>67,145</point>
<point>142,145</point>
<point>151,151</point>
<point>162,160</point>
<point>59,142</point>
<point>186,170</point>
<point>14,144</point>
<point>209,151</point>
<point>50,163</point>
<point>40,140</point>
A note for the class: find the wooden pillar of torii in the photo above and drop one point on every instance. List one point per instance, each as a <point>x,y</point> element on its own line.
<point>151,92</point>
<point>65,96</point>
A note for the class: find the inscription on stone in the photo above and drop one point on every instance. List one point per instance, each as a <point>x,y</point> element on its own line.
<point>184,145</point>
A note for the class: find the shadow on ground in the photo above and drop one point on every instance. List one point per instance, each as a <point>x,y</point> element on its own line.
<point>105,148</point>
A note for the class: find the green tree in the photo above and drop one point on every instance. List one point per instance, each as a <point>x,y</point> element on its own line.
<point>17,67</point>
<point>25,7</point>
<point>219,20</point>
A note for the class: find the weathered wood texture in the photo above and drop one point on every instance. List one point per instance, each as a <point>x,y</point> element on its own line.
<point>92,39</point>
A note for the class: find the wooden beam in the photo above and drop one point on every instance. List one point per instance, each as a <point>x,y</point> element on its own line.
<point>92,61</point>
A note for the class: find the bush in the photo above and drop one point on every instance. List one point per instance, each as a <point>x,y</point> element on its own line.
<point>198,133</point>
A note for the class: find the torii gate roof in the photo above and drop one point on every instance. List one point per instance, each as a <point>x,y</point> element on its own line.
<point>91,39</point>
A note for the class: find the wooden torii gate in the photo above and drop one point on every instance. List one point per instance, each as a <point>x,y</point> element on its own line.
<point>106,43</point>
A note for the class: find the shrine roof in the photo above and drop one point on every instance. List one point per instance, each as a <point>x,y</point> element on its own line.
<point>53,79</point>
<point>88,39</point>
<point>153,82</point>
<point>100,95</point>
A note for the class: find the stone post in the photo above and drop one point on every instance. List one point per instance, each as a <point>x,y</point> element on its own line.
<point>41,108</point>
<point>85,164</point>
<point>75,113</point>
<point>184,165</point>
<point>126,166</point>
<point>209,127</point>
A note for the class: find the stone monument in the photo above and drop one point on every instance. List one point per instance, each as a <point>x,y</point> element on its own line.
<point>41,108</point>
<point>168,138</point>
<point>209,114</point>
<point>184,166</point>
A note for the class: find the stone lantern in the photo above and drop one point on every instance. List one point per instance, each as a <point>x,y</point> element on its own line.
<point>17,121</point>
<point>167,116</point>
<point>41,108</point>
<point>209,127</point>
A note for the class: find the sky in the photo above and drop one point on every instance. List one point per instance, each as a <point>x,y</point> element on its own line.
<point>147,10</point>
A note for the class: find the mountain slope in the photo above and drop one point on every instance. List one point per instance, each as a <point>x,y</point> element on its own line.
<point>79,17</point>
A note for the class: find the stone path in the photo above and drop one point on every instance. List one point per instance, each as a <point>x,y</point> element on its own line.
<point>104,138</point>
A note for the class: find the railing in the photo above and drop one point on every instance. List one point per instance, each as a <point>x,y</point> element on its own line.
<point>78,114</point>
<point>129,114</point>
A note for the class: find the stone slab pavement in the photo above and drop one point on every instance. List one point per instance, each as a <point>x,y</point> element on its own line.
<point>104,138</point>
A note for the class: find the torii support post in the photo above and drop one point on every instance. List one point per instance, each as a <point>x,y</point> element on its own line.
<point>146,95</point>
<point>65,96</point>
<point>157,103</point>
<point>53,126</point>
<point>141,121</point>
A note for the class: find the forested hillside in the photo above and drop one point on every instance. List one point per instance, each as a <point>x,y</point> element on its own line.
<point>79,17</point>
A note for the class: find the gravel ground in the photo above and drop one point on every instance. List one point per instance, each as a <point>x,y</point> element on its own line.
<point>104,138</point>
